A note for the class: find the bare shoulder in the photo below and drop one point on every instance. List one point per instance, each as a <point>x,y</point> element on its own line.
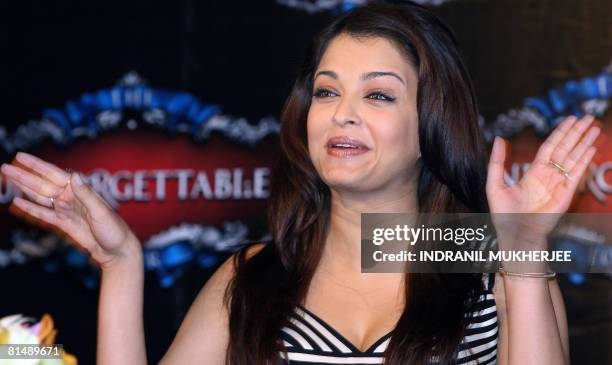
<point>204,332</point>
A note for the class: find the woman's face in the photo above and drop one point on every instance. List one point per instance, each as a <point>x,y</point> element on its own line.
<point>362,123</point>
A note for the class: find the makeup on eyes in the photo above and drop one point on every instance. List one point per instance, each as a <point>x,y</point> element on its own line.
<point>375,94</point>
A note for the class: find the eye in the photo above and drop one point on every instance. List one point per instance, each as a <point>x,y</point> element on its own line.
<point>380,96</point>
<point>323,93</point>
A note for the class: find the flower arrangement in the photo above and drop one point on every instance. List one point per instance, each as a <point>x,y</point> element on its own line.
<point>17,329</point>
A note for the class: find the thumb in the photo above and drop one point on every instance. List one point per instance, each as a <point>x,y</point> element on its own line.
<point>86,195</point>
<point>495,173</point>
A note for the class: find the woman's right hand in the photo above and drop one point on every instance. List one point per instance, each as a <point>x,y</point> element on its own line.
<point>79,211</point>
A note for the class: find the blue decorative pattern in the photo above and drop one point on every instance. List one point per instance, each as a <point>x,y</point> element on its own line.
<point>173,111</point>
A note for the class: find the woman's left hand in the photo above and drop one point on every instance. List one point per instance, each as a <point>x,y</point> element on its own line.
<point>545,188</point>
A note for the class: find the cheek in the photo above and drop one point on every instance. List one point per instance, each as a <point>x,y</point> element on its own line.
<point>314,134</point>
<point>399,140</point>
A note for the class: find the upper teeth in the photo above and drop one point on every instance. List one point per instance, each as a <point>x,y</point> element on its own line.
<point>344,145</point>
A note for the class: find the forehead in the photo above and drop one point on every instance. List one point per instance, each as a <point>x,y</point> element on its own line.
<point>347,54</point>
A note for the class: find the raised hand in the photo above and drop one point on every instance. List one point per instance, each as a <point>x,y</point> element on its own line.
<point>549,184</point>
<point>62,200</point>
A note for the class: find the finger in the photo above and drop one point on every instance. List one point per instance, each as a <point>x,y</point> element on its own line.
<point>87,196</point>
<point>48,219</point>
<point>578,171</point>
<point>495,171</point>
<point>567,144</point>
<point>34,182</point>
<point>34,210</point>
<point>53,173</point>
<point>42,200</point>
<point>577,153</point>
<point>549,144</point>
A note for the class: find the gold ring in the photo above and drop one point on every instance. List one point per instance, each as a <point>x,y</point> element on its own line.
<point>561,169</point>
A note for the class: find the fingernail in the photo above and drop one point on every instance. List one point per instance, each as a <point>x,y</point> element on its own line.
<point>7,169</point>
<point>22,156</point>
<point>595,132</point>
<point>497,141</point>
<point>19,201</point>
<point>570,119</point>
<point>78,179</point>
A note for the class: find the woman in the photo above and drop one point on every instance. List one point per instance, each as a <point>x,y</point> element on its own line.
<point>382,118</point>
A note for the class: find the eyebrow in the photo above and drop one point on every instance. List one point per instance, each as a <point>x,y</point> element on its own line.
<point>364,77</point>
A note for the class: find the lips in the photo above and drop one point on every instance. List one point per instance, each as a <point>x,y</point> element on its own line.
<point>345,147</point>
<point>346,142</point>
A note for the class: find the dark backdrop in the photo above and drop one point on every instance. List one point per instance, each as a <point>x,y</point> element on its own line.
<point>243,56</point>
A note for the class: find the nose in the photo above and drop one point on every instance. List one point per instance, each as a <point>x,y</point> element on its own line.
<point>345,113</point>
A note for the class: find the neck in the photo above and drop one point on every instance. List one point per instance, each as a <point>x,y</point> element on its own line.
<point>343,244</point>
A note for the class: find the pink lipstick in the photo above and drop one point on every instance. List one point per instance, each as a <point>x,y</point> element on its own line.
<point>345,147</point>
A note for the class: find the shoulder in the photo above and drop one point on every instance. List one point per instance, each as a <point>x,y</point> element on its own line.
<point>217,284</point>
<point>244,253</point>
<point>204,331</point>
<point>212,294</point>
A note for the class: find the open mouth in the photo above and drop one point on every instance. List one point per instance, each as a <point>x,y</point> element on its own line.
<point>345,146</point>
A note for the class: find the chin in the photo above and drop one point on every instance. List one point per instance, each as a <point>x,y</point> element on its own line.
<point>345,181</point>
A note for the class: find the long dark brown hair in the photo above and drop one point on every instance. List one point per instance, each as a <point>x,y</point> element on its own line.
<point>267,287</point>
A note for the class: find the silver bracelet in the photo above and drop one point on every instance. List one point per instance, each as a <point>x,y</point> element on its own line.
<point>550,274</point>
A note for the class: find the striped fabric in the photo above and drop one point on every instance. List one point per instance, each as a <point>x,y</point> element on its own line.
<point>309,340</point>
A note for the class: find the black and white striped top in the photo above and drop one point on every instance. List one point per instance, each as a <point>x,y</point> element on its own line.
<point>309,340</point>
